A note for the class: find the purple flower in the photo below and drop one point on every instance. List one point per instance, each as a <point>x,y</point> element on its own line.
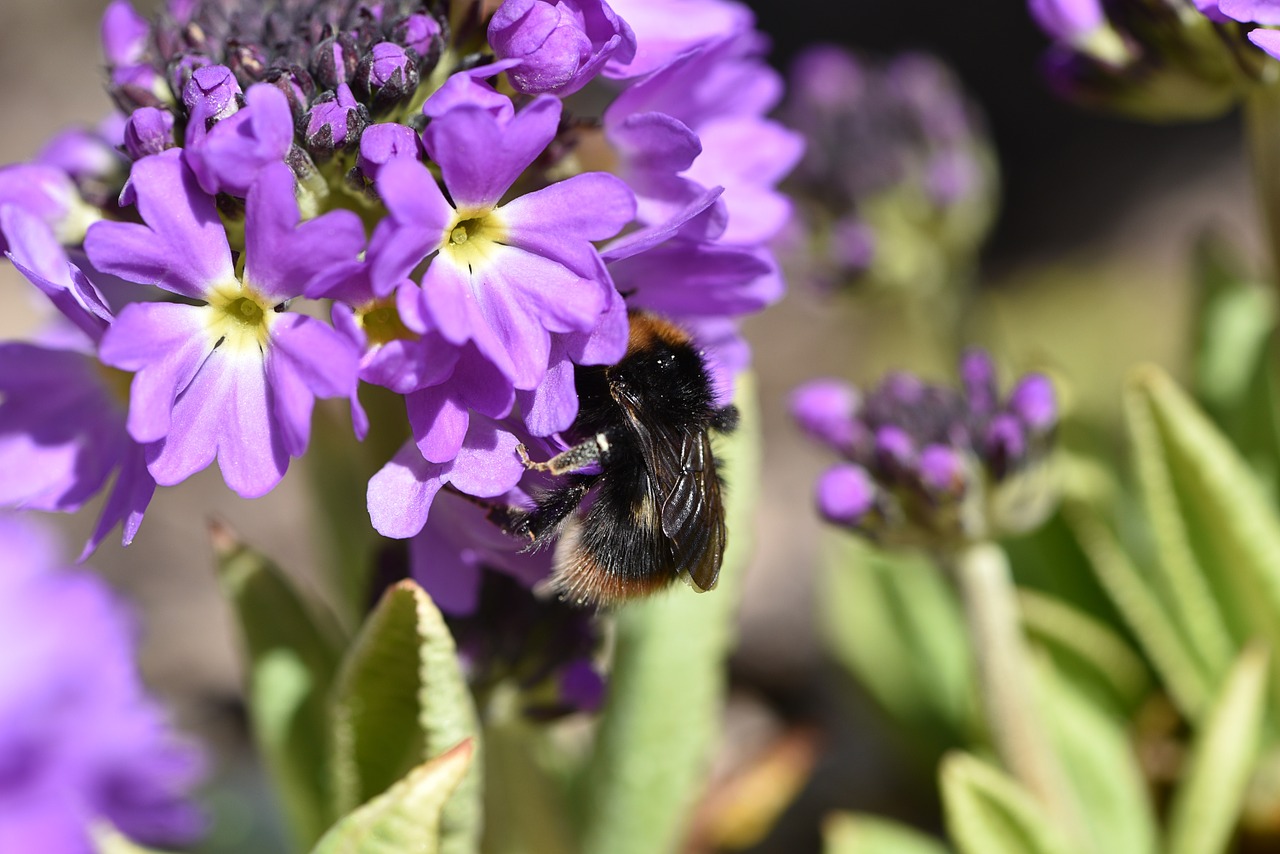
<point>229,158</point>
<point>700,118</point>
<point>149,131</point>
<point>1264,12</point>
<point>561,45</point>
<point>930,466</point>
<point>231,377</point>
<point>80,740</point>
<point>62,417</point>
<point>335,121</point>
<point>387,75</point>
<point>508,276</point>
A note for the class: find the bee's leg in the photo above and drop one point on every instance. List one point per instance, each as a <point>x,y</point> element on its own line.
<point>577,458</point>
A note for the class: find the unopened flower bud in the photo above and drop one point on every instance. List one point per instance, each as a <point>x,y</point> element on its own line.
<point>297,86</point>
<point>212,93</point>
<point>942,471</point>
<point>561,45</point>
<point>334,61</point>
<point>825,408</point>
<point>382,143</point>
<point>420,33</point>
<point>335,121</point>
<point>148,131</point>
<point>386,76</point>
<point>846,494</point>
<point>1034,402</point>
<point>247,61</point>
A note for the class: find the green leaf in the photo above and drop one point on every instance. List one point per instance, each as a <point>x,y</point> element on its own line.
<point>1180,671</point>
<point>1100,659</point>
<point>1207,803</point>
<point>292,649</point>
<point>667,685</point>
<point>851,833</point>
<point>408,817</point>
<point>1112,809</point>
<point>1181,581</point>
<point>988,813</point>
<point>1235,316</point>
<point>1233,526</point>
<point>400,697</point>
<point>895,623</point>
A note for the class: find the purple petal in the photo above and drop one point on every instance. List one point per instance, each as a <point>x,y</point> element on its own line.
<point>487,465</point>
<point>664,29</point>
<point>182,248</point>
<point>557,221</point>
<point>163,344</point>
<point>1265,12</point>
<point>480,158</point>
<point>846,493</point>
<point>553,405</point>
<point>650,236</point>
<point>124,33</point>
<point>467,89</point>
<point>439,421</point>
<point>229,158</point>
<point>400,494</point>
<point>306,360</point>
<point>38,256</point>
<point>281,257</point>
<point>225,411</point>
<point>127,502</point>
<point>1268,40</point>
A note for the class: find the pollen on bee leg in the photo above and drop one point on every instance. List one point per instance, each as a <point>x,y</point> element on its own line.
<point>578,457</point>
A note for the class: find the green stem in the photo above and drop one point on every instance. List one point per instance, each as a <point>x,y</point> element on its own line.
<point>1262,130</point>
<point>1005,677</point>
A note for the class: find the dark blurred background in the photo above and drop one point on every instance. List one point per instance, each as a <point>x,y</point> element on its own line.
<point>1085,274</point>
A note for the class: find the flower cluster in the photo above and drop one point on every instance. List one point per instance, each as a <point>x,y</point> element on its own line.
<point>1165,59</point>
<point>80,741</point>
<point>897,186</point>
<point>411,170</point>
<point>931,465</point>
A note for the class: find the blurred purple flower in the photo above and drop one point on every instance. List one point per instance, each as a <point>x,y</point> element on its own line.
<point>80,739</point>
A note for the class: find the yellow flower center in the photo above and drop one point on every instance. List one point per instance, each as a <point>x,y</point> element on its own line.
<point>473,237</point>
<point>382,323</point>
<point>240,318</point>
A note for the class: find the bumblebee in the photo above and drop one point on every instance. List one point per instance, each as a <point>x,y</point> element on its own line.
<point>637,500</point>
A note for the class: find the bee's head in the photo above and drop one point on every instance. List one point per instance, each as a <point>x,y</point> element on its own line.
<point>663,371</point>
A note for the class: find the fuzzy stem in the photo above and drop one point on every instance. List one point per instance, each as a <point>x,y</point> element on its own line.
<point>1005,677</point>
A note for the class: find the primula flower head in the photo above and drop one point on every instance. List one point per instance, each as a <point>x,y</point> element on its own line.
<point>81,742</point>
<point>473,237</point>
<point>897,185</point>
<point>933,466</point>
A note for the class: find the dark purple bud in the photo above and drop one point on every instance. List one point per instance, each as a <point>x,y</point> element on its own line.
<point>335,121</point>
<point>825,409</point>
<point>826,77</point>
<point>334,61</point>
<point>846,494</point>
<point>951,175</point>
<point>420,33</point>
<point>1004,444</point>
<point>134,86</point>
<point>148,131</point>
<point>382,143</point>
<point>1034,402</point>
<point>248,62</point>
<point>297,86</point>
<point>942,471</point>
<point>978,376</point>
<point>894,449</point>
<point>387,75</point>
<point>902,388</point>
